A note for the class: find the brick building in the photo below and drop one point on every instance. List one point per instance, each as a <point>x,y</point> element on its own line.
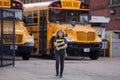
<point>107,8</point>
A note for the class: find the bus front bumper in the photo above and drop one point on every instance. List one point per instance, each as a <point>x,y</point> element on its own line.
<point>84,47</point>
<point>25,48</point>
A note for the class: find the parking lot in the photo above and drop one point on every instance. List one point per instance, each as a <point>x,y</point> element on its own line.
<point>81,69</point>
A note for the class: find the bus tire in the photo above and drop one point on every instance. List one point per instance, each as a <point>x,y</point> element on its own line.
<point>26,56</point>
<point>94,55</point>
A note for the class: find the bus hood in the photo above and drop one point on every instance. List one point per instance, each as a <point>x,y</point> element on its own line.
<point>85,28</point>
<point>8,27</point>
<point>21,32</point>
<point>79,33</point>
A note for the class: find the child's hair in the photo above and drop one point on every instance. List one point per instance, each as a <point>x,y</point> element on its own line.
<point>60,30</point>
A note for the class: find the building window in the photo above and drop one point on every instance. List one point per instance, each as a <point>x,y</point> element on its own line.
<point>30,1</point>
<point>86,1</point>
<point>23,1</point>
<point>39,0</point>
<point>112,2</point>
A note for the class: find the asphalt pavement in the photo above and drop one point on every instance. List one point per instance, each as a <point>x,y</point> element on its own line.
<point>78,69</point>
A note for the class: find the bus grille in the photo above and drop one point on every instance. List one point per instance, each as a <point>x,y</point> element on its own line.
<point>90,36</point>
<point>83,36</point>
<point>8,38</point>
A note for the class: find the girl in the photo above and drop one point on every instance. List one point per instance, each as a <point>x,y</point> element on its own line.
<point>60,49</point>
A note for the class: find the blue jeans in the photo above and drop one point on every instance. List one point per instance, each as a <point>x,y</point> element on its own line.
<point>59,60</point>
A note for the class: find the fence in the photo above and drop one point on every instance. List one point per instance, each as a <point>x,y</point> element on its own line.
<point>7,38</point>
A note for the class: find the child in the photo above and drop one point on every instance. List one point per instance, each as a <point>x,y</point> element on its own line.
<point>60,44</point>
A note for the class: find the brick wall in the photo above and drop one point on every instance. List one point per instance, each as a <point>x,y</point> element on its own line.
<point>99,4</point>
<point>114,18</point>
<point>100,12</point>
<point>102,8</point>
<point>99,7</point>
<point>114,24</point>
<point>117,11</point>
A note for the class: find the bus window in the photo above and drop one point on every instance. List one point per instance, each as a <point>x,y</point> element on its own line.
<point>25,13</point>
<point>67,16</point>
<point>18,14</point>
<point>35,17</point>
<point>35,13</point>
<point>43,13</point>
<point>56,15</point>
<point>30,14</point>
<point>35,21</point>
<point>84,19</point>
<point>0,15</point>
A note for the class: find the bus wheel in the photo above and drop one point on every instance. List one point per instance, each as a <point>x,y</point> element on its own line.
<point>94,55</point>
<point>26,56</point>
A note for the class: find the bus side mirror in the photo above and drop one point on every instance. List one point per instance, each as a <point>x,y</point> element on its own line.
<point>28,20</point>
<point>90,16</point>
<point>66,35</point>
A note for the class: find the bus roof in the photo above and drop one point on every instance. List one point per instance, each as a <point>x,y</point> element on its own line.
<point>58,4</point>
<point>40,4</point>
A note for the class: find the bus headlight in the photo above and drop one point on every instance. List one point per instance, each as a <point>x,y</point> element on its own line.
<point>99,40</point>
<point>70,39</point>
<point>30,39</point>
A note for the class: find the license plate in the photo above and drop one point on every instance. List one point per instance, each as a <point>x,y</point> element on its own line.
<point>86,49</point>
<point>11,47</point>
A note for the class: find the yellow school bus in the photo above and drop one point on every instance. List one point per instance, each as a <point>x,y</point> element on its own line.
<point>24,41</point>
<point>70,15</point>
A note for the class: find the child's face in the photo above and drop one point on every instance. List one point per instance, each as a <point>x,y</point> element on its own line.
<point>60,34</point>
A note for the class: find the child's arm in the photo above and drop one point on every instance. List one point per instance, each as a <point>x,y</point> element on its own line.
<point>61,43</point>
<point>55,44</point>
<point>62,47</point>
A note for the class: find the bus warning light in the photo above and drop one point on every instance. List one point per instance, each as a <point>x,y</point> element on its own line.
<point>56,5</point>
<point>84,7</point>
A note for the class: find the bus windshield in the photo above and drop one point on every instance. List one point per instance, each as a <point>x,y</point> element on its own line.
<point>68,16</point>
<point>18,14</point>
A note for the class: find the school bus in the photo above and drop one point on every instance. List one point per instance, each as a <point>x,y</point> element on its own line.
<point>24,41</point>
<point>70,15</point>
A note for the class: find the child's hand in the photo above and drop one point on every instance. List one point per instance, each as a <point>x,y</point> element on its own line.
<point>58,49</point>
<point>56,44</point>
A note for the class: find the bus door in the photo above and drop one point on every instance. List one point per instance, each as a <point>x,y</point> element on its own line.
<point>7,38</point>
<point>43,32</point>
